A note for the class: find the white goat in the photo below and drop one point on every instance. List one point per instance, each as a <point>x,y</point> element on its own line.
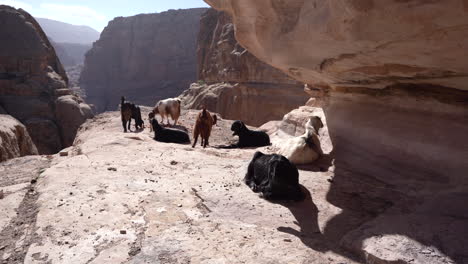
<point>306,148</point>
<point>165,108</point>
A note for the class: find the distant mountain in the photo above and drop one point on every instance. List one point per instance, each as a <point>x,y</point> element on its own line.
<point>63,32</point>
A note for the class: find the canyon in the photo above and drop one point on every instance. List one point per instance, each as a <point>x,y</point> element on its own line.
<point>142,59</point>
<point>387,78</point>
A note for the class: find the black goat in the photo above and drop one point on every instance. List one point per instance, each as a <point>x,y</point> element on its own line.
<point>169,135</point>
<point>247,138</point>
<point>128,111</point>
<point>274,176</point>
<point>136,114</point>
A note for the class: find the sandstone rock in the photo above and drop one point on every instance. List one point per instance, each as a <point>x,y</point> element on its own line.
<point>145,58</point>
<point>170,214</point>
<point>372,43</point>
<point>239,86</point>
<point>222,59</point>
<point>45,133</point>
<point>70,115</point>
<point>253,103</point>
<point>31,79</point>
<point>14,139</point>
<point>390,79</point>
<point>397,152</point>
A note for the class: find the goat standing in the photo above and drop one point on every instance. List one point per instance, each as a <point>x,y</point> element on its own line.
<point>168,107</point>
<point>203,126</point>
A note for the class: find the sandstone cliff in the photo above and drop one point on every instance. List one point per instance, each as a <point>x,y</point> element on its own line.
<point>233,82</point>
<point>146,58</point>
<point>391,80</point>
<point>33,84</point>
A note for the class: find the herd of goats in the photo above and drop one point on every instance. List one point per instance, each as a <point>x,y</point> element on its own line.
<point>275,176</point>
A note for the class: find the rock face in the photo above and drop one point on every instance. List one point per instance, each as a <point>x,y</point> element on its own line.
<point>14,139</point>
<point>145,58</point>
<point>235,83</point>
<point>391,81</point>
<point>369,43</point>
<point>222,59</point>
<point>253,103</point>
<point>33,84</point>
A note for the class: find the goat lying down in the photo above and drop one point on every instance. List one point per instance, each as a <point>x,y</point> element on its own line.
<point>203,125</point>
<point>169,135</point>
<point>274,176</point>
<point>247,138</point>
<point>165,108</point>
<point>304,149</point>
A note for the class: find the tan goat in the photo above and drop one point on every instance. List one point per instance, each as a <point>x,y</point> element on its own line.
<point>203,125</point>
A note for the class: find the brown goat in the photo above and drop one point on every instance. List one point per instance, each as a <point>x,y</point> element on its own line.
<point>203,127</point>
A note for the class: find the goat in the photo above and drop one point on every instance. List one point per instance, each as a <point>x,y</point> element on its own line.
<point>247,138</point>
<point>203,126</point>
<point>274,176</point>
<point>136,114</point>
<point>306,148</point>
<point>166,108</point>
<point>169,135</point>
<point>126,113</point>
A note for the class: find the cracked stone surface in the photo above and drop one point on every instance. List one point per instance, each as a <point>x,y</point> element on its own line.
<point>125,198</point>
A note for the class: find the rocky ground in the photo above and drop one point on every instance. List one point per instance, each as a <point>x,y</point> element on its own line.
<point>119,197</point>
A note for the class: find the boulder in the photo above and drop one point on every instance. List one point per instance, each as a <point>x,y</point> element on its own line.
<point>14,139</point>
<point>70,115</point>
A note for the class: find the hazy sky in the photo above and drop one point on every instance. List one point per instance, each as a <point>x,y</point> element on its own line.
<point>96,13</point>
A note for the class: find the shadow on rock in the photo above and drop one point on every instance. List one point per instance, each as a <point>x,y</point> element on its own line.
<point>323,164</point>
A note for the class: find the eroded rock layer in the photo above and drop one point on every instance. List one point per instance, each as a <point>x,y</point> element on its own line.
<point>33,84</point>
<point>391,80</point>
<point>235,83</point>
<point>146,58</point>
<point>371,43</point>
<point>253,103</point>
